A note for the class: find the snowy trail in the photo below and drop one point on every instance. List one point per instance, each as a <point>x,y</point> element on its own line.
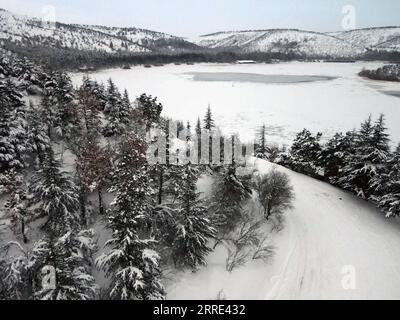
<point>328,234</point>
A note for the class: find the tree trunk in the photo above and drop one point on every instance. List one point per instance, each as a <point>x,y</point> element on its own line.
<point>25,239</point>
<point>160,187</point>
<point>82,202</point>
<point>101,208</point>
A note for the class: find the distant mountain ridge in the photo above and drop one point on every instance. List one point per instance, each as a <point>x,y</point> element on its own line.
<point>381,38</point>
<point>308,43</point>
<point>26,31</point>
<point>76,44</point>
<point>350,43</point>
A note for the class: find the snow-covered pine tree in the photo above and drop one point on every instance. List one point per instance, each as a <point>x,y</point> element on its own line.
<point>148,111</point>
<point>389,182</point>
<point>38,140</point>
<point>96,90</point>
<point>15,280</point>
<point>209,125</point>
<point>334,153</point>
<point>12,128</point>
<point>208,121</point>
<point>305,152</point>
<point>48,114</point>
<point>69,257</point>
<point>63,96</point>
<point>198,127</point>
<point>89,107</point>
<point>111,94</point>
<point>380,157</point>
<point>66,250</point>
<point>368,159</point>
<point>193,229</point>
<point>188,131</point>
<point>7,148</point>
<point>261,147</point>
<point>118,113</point>
<point>17,203</point>
<point>57,196</point>
<point>126,100</point>
<point>5,69</point>
<point>29,74</point>
<point>198,138</point>
<point>131,263</point>
<point>229,194</point>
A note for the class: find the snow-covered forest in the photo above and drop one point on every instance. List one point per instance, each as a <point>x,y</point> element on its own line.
<point>256,164</point>
<point>74,170</point>
<point>86,215</point>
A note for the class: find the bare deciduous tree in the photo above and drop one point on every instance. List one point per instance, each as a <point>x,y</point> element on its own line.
<point>247,243</point>
<point>274,192</point>
<point>264,250</point>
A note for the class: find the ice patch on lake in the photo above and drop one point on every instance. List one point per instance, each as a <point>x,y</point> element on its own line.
<point>255,77</point>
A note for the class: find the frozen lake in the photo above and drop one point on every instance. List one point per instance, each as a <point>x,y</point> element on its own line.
<point>287,97</point>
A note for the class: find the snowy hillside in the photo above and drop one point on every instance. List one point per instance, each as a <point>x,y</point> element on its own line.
<point>26,32</point>
<point>319,246</point>
<point>382,38</point>
<point>281,41</point>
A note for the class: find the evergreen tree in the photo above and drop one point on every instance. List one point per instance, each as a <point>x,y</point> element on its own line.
<point>111,96</point>
<point>198,136</point>
<point>148,111</point>
<point>12,128</point>
<point>125,100</point>
<point>69,256</point>
<point>48,114</point>
<point>37,135</point>
<point>380,156</point>
<point>63,96</point>
<point>198,127</point>
<point>208,121</point>
<point>15,280</point>
<point>56,195</point>
<point>17,204</point>
<point>131,263</point>
<point>368,158</point>
<point>96,91</point>
<point>261,148</point>
<point>229,195</point>
<point>305,152</point>
<point>389,184</point>
<point>117,111</point>
<point>188,131</point>
<point>5,69</point>
<point>89,107</point>
<point>334,153</point>
<point>193,229</point>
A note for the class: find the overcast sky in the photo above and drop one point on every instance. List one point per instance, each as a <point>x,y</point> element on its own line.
<point>195,17</point>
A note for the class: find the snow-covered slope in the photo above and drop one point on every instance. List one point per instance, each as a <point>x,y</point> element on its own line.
<point>382,38</point>
<point>334,246</point>
<point>26,31</point>
<point>281,41</point>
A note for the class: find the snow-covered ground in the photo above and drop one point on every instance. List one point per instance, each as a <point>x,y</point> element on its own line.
<point>334,246</point>
<point>240,107</point>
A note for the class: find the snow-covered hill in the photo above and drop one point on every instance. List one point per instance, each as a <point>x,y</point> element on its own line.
<point>335,44</point>
<point>25,31</point>
<point>334,246</point>
<point>384,38</point>
<point>281,41</point>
